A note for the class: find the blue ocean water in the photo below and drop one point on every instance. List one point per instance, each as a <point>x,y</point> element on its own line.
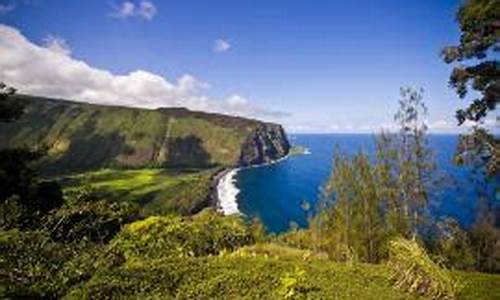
<point>275,193</point>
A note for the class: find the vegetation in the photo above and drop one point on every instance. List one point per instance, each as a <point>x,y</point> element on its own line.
<point>477,68</point>
<point>121,233</point>
<point>154,191</point>
<point>205,256</point>
<point>24,198</point>
<point>365,204</point>
<point>298,150</point>
<point>413,270</point>
<point>84,137</point>
<point>375,210</point>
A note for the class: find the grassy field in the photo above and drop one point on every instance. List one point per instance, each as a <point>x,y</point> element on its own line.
<point>156,191</point>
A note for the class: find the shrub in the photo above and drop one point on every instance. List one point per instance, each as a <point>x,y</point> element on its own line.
<point>94,220</point>
<point>454,245</point>
<point>415,272</point>
<point>173,236</point>
<point>33,266</point>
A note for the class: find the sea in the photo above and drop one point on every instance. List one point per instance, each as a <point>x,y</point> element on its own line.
<point>275,193</point>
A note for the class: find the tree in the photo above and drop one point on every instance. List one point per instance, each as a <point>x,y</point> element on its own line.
<point>454,245</point>
<point>366,202</point>
<point>24,198</point>
<point>477,68</point>
<point>352,224</point>
<point>415,162</point>
<point>387,174</point>
<point>10,110</point>
<point>485,237</point>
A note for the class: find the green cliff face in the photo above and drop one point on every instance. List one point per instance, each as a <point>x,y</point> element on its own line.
<point>82,136</point>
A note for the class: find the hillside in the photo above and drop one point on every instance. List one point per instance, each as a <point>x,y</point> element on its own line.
<point>81,136</point>
<point>206,256</point>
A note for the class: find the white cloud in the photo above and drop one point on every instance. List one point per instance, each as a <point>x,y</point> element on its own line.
<point>49,70</point>
<point>221,46</point>
<point>6,8</point>
<point>126,9</point>
<point>147,10</point>
<point>144,9</point>
<point>57,44</point>
<point>236,101</point>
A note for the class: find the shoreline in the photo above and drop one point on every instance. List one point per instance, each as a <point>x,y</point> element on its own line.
<point>222,183</point>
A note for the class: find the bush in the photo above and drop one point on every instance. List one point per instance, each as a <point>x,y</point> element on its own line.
<point>173,236</point>
<point>415,272</point>
<point>91,219</point>
<point>454,245</point>
<point>33,266</point>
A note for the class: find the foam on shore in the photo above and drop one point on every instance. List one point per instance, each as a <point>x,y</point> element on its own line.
<point>227,193</point>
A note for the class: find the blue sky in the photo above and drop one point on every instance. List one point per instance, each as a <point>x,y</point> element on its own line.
<point>314,66</point>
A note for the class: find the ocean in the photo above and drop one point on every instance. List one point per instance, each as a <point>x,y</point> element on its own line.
<point>274,193</point>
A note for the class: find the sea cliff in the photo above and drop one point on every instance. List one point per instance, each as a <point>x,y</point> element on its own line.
<point>81,136</point>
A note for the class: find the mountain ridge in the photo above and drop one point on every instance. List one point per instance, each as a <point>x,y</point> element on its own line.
<point>82,136</point>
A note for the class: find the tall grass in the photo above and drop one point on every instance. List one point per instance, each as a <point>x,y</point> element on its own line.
<point>413,271</point>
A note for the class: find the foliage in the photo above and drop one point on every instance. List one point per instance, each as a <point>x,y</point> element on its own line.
<point>24,198</point>
<point>477,67</point>
<point>415,272</point>
<point>292,284</point>
<point>478,286</point>
<point>33,266</point>
<point>480,150</point>
<point>353,222</point>
<point>485,238</point>
<point>238,277</point>
<point>367,201</point>
<point>146,261</point>
<point>454,245</point>
<point>415,163</point>
<point>174,236</point>
<point>88,217</point>
<point>10,109</point>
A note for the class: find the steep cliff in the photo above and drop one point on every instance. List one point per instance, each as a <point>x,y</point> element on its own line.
<point>81,136</point>
<point>266,143</point>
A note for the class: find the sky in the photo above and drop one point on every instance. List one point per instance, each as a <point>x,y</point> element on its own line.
<point>313,66</point>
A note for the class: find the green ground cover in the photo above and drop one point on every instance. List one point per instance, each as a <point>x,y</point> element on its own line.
<point>155,191</point>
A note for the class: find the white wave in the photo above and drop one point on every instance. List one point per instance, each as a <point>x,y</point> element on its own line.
<point>227,193</point>
<point>307,151</point>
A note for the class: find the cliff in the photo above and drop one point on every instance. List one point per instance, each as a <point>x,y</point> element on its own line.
<point>267,142</point>
<point>81,136</point>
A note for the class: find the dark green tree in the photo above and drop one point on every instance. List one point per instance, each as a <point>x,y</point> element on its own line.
<point>24,198</point>
<point>477,68</point>
<point>10,109</point>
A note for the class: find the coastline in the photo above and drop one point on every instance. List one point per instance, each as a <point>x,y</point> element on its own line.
<point>223,190</point>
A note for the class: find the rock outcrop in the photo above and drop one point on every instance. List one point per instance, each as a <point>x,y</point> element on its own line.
<point>267,143</point>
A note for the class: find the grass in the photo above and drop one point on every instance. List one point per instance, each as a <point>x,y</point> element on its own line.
<point>414,271</point>
<point>249,277</point>
<point>156,191</point>
<point>478,286</point>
